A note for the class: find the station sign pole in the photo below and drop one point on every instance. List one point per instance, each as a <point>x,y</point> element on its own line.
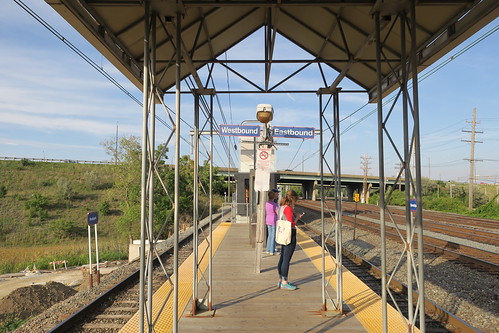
<point>92,219</point>
<point>261,165</point>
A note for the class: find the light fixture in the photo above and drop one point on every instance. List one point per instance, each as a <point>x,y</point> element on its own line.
<point>264,113</point>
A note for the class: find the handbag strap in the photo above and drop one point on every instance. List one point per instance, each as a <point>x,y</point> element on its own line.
<point>281,212</point>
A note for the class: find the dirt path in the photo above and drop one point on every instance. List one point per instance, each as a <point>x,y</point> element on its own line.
<point>72,277</point>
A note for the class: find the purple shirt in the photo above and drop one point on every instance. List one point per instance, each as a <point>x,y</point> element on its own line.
<point>271,210</point>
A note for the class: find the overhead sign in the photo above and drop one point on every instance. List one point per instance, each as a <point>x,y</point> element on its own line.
<point>239,130</point>
<point>92,218</point>
<point>414,205</point>
<point>293,132</point>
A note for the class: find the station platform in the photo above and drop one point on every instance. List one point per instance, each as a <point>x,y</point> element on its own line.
<point>246,301</point>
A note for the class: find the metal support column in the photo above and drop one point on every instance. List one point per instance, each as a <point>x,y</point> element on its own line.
<point>210,263</point>
<point>176,216</point>
<point>195,213</point>
<point>323,198</point>
<point>202,306</point>
<point>407,67</point>
<point>330,307</point>
<point>418,186</point>
<point>381,172</point>
<point>150,171</point>
<point>338,210</point>
<point>143,185</point>
<point>407,155</point>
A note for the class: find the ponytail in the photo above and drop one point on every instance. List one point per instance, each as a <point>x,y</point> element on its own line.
<point>289,198</point>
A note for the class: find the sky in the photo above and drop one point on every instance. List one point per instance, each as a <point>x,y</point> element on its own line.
<point>54,105</point>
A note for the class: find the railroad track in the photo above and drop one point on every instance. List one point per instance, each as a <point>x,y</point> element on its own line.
<point>436,318</point>
<point>111,311</point>
<point>474,257</point>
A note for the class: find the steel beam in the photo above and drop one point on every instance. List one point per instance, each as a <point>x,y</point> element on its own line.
<point>402,73</point>
<point>330,306</point>
<point>143,186</point>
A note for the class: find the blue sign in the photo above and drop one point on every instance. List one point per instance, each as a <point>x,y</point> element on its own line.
<point>414,205</point>
<point>92,218</point>
<point>293,132</point>
<point>239,130</point>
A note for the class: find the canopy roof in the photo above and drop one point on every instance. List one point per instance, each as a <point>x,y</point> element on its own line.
<point>337,33</point>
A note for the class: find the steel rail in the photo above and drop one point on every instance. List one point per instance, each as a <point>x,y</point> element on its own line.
<point>434,245</point>
<point>82,313</point>
<point>432,309</point>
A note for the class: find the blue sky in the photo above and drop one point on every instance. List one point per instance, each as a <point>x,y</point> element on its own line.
<point>55,105</point>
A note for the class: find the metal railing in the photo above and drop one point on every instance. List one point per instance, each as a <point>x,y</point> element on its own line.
<point>237,212</point>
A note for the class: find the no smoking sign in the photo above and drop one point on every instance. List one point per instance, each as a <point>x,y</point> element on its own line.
<point>263,160</point>
<point>264,155</point>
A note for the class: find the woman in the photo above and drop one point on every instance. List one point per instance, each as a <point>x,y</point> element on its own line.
<point>287,206</point>
<point>271,210</point>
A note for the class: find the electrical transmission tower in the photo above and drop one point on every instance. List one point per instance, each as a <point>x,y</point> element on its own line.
<point>365,167</point>
<point>472,157</point>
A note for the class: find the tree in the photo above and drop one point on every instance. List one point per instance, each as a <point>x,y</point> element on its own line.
<point>219,185</point>
<point>128,180</point>
<point>128,184</point>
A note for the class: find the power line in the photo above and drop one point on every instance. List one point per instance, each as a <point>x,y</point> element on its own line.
<point>432,71</point>
<point>93,64</point>
<point>303,140</point>
<point>76,50</point>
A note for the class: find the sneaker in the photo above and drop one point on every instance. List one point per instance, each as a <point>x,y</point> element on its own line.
<point>270,253</point>
<point>288,286</point>
<point>279,284</point>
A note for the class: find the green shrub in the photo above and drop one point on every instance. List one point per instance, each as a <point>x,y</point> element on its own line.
<point>3,191</point>
<point>36,206</point>
<point>104,208</point>
<point>65,188</point>
<point>10,323</point>
<point>445,204</point>
<point>489,211</point>
<point>397,198</point>
<point>64,228</point>
<point>25,162</point>
<point>92,180</point>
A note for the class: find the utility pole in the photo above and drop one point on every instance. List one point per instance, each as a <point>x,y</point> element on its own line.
<point>365,167</point>
<point>472,157</point>
<point>398,167</point>
<point>116,147</point>
<point>429,169</point>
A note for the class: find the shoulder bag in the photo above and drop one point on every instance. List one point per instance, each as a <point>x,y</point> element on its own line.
<point>283,229</point>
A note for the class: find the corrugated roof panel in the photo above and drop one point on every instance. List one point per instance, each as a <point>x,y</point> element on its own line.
<point>210,27</point>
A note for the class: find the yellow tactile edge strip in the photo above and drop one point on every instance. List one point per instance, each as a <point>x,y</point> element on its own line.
<point>365,304</point>
<point>164,322</point>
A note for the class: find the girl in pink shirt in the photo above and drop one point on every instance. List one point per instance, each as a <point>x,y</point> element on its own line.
<point>271,210</point>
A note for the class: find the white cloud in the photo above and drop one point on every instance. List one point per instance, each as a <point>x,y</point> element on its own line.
<point>64,124</point>
<point>45,145</point>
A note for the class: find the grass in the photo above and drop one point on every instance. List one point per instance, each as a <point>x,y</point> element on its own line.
<point>31,241</point>
<point>43,211</point>
<point>91,186</point>
<point>16,259</point>
<point>11,323</point>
